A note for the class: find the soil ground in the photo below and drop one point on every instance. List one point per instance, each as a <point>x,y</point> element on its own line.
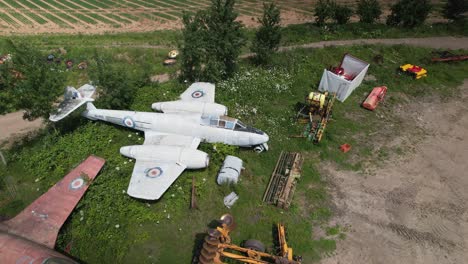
<point>412,208</point>
<point>12,125</point>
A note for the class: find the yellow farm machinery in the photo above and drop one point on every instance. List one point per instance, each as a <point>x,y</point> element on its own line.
<point>218,247</point>
<point>315,114</point>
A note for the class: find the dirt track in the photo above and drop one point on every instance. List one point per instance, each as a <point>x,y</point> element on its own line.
<point>411,210</point>
<point>13,124</point>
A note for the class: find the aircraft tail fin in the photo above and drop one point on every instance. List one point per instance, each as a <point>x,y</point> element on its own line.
<point>73,99</point>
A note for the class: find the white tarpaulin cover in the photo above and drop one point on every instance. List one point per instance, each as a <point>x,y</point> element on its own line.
<point>230,170</point>
<point>343,88</point>
<point>230,199</point>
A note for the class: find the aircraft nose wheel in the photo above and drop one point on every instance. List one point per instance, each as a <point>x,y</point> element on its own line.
<point>261,148</point>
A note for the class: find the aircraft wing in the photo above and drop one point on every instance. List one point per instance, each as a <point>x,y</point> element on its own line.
<point>151,178</point>
<point>42,220</point>
<point>199,92</point>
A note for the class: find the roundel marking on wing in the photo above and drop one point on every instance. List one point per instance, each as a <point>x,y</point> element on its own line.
<point>198,94</point>
<point>128,122</point>
<point>154,172</point>
<point>76,184</point>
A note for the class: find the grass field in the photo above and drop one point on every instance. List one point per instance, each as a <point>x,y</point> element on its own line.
<point>110,227</point>
<point>92,16</point>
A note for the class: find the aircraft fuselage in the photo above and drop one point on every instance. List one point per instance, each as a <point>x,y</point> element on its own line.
<point>181,124</point>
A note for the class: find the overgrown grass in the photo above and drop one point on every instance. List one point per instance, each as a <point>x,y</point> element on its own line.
<point>110,227</point>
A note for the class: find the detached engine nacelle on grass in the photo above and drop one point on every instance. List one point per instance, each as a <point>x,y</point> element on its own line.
<point>192,158</point>
<point>206,109</point>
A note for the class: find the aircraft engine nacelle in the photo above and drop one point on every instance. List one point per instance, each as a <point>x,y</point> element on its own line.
<point>206,109</point>
<point>192,158</point>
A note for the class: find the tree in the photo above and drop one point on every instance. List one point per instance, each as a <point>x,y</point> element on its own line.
<point>268,36</point>
<point>117,84</point>
<point>454,9</point>
<point>368,11</point>
<point>323,10</point>
<point>38,83</point>
<point>341,14</point>
<point>409,13</point>
<point>193,50</point>
<point>212,42</point>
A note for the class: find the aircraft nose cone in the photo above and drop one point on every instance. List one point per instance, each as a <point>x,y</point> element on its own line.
<point>265,137</point>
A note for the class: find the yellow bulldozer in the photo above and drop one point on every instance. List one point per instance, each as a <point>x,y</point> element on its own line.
<point>218,247</point>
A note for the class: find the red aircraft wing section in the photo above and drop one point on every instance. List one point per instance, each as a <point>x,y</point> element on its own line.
<point>42,220</point>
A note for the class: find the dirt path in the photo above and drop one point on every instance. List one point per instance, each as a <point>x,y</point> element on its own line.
<point>430,42</point>
<point>412,210</point>
<point>13,124</point>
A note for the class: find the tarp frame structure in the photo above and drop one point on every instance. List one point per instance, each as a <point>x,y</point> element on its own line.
<point>343,88</point>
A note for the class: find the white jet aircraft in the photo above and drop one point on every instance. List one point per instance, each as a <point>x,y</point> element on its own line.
<point>171,137</point>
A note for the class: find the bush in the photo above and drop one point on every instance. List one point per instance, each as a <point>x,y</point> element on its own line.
<point>341,14</point>
<point>217,42</point>
<point>454,9</point>
<point>117,84</point>
<point>323,10</point>
<point>268,36</point>
<point>37,84</point>
<point>368,11</point>
<point>409,13</point>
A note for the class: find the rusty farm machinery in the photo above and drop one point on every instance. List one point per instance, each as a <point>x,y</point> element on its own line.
<point>218,247</point>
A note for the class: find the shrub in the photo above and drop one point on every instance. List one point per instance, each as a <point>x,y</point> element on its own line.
<point>38,83</point>
<point>218,40</point>
<point>454,9</point>
<point>368,11</point>
<point>268,36</point>
<point>193,49</point>
<point>341,14</point>
<point>409,13</point>
<point>117,84</point>
<point>323,11</point>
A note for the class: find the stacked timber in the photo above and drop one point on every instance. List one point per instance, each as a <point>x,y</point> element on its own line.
<point>282,185</point>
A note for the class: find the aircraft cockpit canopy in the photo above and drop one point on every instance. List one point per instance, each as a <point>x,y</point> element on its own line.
<point>224,122</point>
<point>230,123</point>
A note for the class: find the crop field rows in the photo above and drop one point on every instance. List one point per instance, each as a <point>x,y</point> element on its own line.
<point>94,16</point>
<point>101,16</point>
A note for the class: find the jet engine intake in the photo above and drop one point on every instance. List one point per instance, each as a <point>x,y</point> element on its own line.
<point>192,158</point>
<point>206,109</point>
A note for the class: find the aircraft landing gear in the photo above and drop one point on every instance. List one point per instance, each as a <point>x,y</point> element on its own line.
<point>261,148</point>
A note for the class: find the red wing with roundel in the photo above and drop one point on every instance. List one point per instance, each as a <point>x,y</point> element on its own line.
<point>42,220</point>
<point>199,92</point>
<point>150,179</point>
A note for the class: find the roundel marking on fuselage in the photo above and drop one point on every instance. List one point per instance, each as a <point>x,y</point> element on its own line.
<point>76,183</point>
<point>128,122</point>
<point>154,172</point>
<point>198,94</point>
